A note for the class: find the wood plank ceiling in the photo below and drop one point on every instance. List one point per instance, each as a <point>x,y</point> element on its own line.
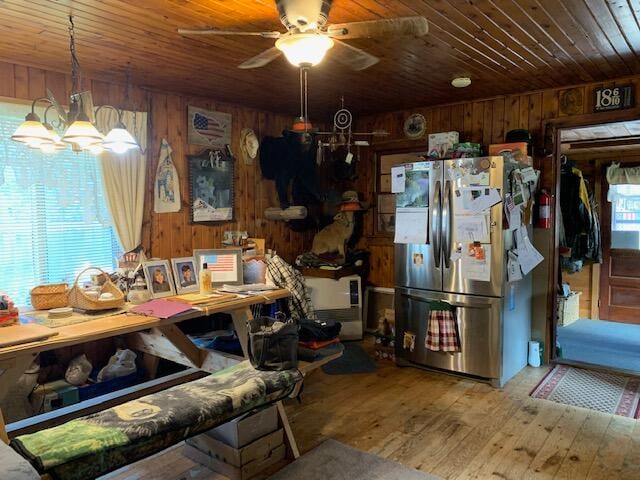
<point>506,46</point>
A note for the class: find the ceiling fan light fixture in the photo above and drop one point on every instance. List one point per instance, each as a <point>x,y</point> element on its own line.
<point>461,82</point>
<point>304,49</point>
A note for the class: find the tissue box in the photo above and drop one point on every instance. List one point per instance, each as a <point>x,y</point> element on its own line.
<point>441,143</point>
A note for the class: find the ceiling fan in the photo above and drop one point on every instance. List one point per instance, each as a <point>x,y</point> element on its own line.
<point>309,36</point>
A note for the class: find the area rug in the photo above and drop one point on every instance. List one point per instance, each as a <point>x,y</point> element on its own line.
<point>337,461</point>
<point>600,391</point>
<point>353,360</point>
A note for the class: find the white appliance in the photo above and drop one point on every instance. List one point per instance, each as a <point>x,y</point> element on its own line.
<point>339,300</point>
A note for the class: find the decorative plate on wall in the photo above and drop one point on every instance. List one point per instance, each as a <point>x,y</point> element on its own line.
<point>415,126</point>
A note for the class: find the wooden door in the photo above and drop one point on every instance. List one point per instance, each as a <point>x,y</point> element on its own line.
<point>620,273</point>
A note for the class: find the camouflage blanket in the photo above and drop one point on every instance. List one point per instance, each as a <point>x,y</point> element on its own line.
<point>91,446</point>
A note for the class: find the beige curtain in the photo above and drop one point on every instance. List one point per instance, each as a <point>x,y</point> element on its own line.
<point>124,177</point>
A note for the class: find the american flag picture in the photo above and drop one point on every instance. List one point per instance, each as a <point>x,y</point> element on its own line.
<point>221,263</point>
<point>209,128</point>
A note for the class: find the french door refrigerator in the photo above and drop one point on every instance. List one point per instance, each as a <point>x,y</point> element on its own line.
<point>494,317</point>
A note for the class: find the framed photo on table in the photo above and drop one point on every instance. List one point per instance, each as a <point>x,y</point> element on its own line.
<point>185,275</point>
<point>225,265</point>
<point>159,279</point>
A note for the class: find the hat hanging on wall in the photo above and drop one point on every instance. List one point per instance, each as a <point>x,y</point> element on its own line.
<point>249,145</point>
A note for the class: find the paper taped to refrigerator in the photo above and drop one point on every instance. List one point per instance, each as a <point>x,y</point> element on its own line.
<point>398,175</point>
<point>513,268</point>
<point>477,269</point>
<point>472,228</point>
<point>487,198</point>
<point>412,225</point>
<point>528,256</point>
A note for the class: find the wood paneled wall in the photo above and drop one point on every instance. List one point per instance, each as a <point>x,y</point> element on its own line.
<point>483,121</point>
<point>171,234</point>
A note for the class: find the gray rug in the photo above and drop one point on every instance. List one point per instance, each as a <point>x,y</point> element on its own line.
<point>336,461</point>
<point>353,360</point>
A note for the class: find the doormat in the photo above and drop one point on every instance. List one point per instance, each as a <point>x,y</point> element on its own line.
<point>353,360</point>
<point>599,391</point>
<point>338,461</point>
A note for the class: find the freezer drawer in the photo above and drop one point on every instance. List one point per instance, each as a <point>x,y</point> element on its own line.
<point>479,323</point>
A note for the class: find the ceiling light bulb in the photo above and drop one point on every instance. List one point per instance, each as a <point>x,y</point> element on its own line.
<point>119,140</point>
<point>461,82</point>
<point>82,132</point>
<point>32,132</point>
<point>304,48</point>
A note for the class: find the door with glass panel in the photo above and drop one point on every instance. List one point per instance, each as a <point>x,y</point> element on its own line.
<point>620,273</point>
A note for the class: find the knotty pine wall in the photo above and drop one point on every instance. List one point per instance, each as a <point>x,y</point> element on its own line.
<point>170,235</point>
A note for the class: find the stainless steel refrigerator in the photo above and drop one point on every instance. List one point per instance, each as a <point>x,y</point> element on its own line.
<point>494,316</point>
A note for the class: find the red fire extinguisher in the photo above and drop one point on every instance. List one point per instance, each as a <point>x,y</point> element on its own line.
<point>544,210</point>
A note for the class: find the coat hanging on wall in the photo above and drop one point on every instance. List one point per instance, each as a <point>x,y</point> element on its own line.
<point>166,196</point>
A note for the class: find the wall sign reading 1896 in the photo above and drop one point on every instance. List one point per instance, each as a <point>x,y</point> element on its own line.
<point>614,98</point>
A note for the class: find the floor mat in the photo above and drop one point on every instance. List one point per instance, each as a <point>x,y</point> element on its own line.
<point>336,461</point>
<point>600,391</point>
<point>353,360</point>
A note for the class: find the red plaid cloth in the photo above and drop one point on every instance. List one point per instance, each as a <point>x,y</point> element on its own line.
<point>442,332</point>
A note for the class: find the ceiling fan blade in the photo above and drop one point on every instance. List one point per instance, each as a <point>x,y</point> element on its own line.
<point>386,27</point>
<point>261,59</point>
<point>210,31</point>
<point>351,56</point>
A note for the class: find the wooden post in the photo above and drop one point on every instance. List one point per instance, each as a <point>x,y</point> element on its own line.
<point>3,430</point>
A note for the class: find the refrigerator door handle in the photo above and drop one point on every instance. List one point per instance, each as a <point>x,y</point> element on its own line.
<point>436,226</point>
<point>453,304</point>
<point>446,224</point>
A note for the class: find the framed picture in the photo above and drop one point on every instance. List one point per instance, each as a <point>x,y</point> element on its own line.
<point>209,128</point>
<point>159,280</point>
<point>185,275</point>
<point>211,182</point>
<point>225,265</point>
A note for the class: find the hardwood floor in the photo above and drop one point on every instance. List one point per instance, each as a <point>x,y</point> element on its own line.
<point>451,427</point>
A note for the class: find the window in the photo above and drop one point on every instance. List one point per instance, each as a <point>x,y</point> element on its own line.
<point>53,217</point>
<point>625,216</point>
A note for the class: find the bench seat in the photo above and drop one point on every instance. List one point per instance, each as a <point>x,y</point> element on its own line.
<point>94,445</point>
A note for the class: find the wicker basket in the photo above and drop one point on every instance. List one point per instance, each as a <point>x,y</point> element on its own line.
<point>79,299</point>
<point>46,297</point>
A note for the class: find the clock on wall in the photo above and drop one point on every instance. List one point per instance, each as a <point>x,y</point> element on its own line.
<point>415,126</point>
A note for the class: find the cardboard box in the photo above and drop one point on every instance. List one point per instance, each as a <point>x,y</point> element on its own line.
<point>238,457</point>
<point>440,144</point>
<point>250,470</point>
<point>247,428</point>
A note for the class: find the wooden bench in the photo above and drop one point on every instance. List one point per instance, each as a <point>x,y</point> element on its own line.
<point>94,445</point>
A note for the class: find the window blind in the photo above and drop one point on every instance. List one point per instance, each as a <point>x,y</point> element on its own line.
<point>53,216</point>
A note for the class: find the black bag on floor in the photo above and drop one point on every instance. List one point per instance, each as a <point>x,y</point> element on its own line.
<point>318,330</point>
<point>273,343</point>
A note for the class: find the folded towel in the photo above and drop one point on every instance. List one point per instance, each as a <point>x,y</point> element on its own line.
<point>442,331</point>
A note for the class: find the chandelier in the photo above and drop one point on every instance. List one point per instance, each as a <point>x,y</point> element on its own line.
<point>77,125</point>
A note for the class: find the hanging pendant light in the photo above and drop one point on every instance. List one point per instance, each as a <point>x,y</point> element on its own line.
<point>82,132</point>
<point>32,131</point>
